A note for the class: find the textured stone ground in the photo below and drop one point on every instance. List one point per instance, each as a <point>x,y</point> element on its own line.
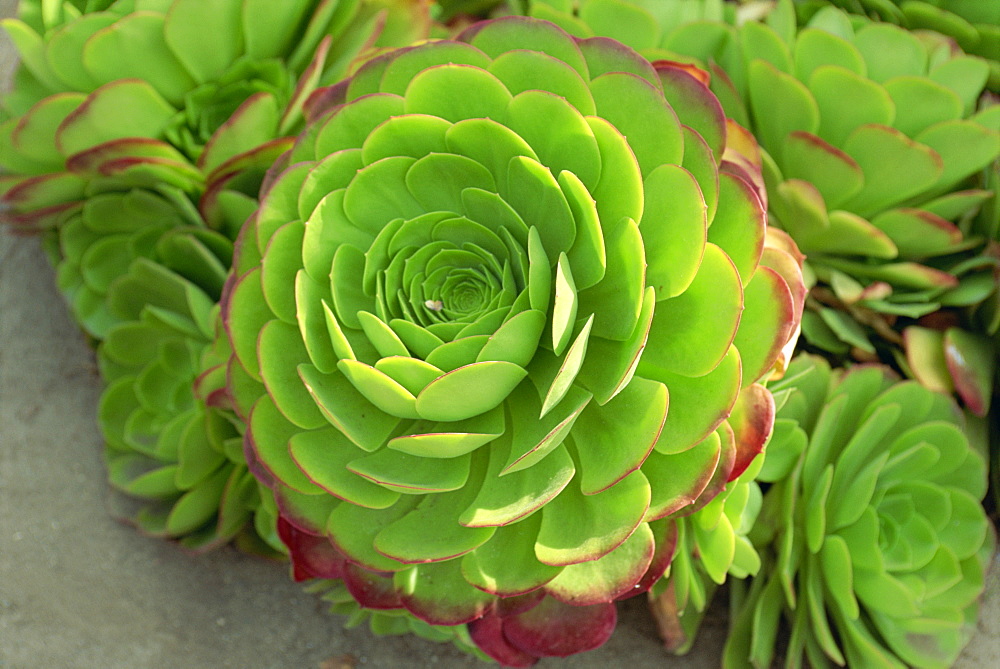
<point>80,590</point>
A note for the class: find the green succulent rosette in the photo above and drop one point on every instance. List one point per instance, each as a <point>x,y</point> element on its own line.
<point>873,540</point>
<point>99,242</point>
<point>973,24</point>
<point>465,304</point>
<point>169,91</point>
<point>174,446</point>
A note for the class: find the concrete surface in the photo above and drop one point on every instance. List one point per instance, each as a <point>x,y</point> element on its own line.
<point>80,590</point>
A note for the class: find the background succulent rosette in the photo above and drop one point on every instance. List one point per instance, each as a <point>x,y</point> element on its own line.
<point>463,308</point>
<point>973,24</point>
<point>873,539</point>
<point>180,92</point>
<point>173,443</point>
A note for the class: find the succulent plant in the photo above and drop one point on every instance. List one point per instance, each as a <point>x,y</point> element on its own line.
<point>99,242</point>
<point>173,443</point>
<point>873,540</point>
<point>973,24</point>
<point>169,91</point>
<point>464,304</point>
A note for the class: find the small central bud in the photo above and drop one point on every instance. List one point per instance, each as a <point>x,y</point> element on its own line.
<point>434,305</point>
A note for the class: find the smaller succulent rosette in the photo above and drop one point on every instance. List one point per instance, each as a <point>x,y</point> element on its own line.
<point>173,444</point>
<point>465,304</point>
<point>168,91</point>
<point>874,544</point>
<point>98,243</point>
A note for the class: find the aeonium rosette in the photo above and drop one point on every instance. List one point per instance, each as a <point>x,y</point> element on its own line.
<point>873,541</point>
<point>462,311</point>
<point>182,92</point>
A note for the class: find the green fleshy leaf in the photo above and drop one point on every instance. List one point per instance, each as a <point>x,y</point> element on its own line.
<point>198,505</point>
<point>918,233</point>
<point>797,112</point>
<point>311,316</point>
<point>506,564</point>
<point>408,539</point>
<point>639,112</point>
<point>270,433</point>
<point>815,48</point>
<point>567,370</point>
<point>691,333</point>
<point>401,69</point>
<point>846,101</point>
<point>674,224</point>
<point>588,255</point>
<point>767,308</point>
<point>413,135</point>
<point>964,146</point>
<point>436,180</point>
<point>282,259</point>
<point>354,122</point>
<point>496,38</point>
<point>557,132</point>
<point>324,455</point>
<point>619,193</point>
<point>834,174</point>
<point>609,577</point>
<point>613,440</point>
<point>347,409</point>
<point>437,593</point>
<point>895,168</point>
<point>123,108</point>
<point>696,107</point>
<point>352,529</point>
<point>534,438</point>
<point>579,528</point>
<point>925,356</point>
<point>611,364</point>
<point>188,23</point>
<point>481,385</point>
<point>738,227</point>
<point>535,195</point>
<point>564,308</point>
<point>877,41</point>
<point>444,90</point>
<point>505,498</point>
<point>516,340</point>
<point>965,75</point>
<point>493,146</point>
<point>450,440</point>
<point>533,70</point>
<point>33,137</point>
<point>698,404</point>
<point>971,362</point>
<point>412,474</point>
<point>921,103</point>
<point>616,301</point>
<point>253,124</point>
<point>699,161</point>
<point>384,392</point>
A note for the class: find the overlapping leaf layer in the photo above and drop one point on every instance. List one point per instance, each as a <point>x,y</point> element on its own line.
<point>178,92</point>
<point>172,439</point>
<point>463,308</point>
<point>872,530</point>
